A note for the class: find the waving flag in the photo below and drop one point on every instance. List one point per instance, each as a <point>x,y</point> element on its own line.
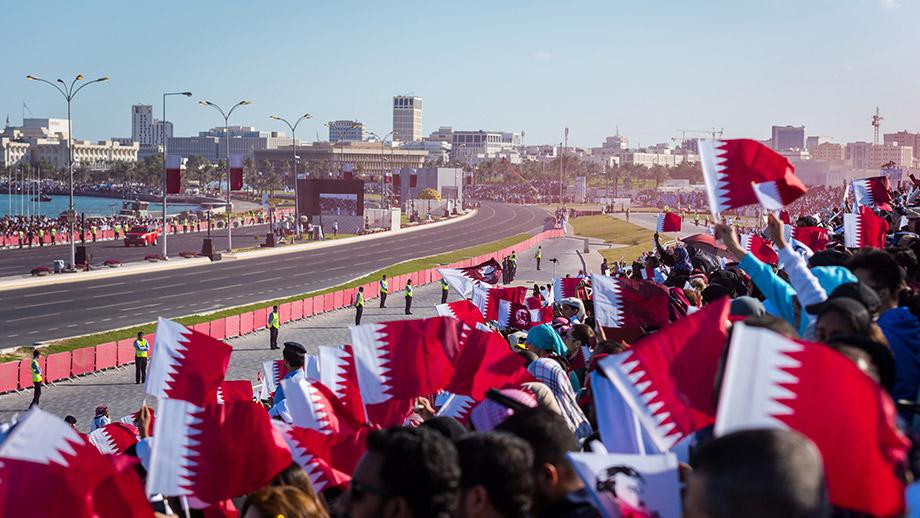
<point>488,300</point>
<point>668,222</point>
<point>773,382</point>
<point>235,390</point>
<point>630,486</point>
<point>539,313</point>
<point>565,287</point>
<point>760,248</point>
<point>114,438</point>
<point>463,310</point>
<point>513,315</point>
<point>274,371</point>
<point>873,192</point>
<point>43,453</point>
<point>814,238</point>
<point>667,378</point>
<point>173,174</point>
<point>620,429</point>
<point>864,229</point>
<point>629,303</point>
<point>402,360</point>
<point>744,172</point>
<point>186,364</point>
<point>197,450</point>
<point>485,362</point>
<point>339,374</point>
<point>301,443</point>
<point>236,172</point>
<point>462,280</point>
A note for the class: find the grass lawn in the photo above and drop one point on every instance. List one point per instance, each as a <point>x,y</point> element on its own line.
<point>390,271</point>
<point>617,231</point>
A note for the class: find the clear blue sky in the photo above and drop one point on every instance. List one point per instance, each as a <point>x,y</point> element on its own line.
<point>649,67</point>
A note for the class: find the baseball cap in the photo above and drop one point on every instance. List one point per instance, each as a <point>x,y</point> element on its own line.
<point>858,291</point>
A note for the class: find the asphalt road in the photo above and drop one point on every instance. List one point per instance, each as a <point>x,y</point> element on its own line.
<point>14,261</point>
<point>57,311</point>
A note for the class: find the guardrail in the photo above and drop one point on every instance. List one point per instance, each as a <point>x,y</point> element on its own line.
<point>16,375</point>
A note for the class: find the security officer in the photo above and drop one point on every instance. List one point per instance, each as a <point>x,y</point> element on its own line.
<point>383,292</point>
<point>408,296</point>
<point>37,379</point>
<point>274,324</point>
<point>294,355</point>
<point>22,238</point>
<point>141,350</point>
<point>539,255</point>
<point>512,261</point>
<point>53,235</point>
<point>359,305</point>
<point>117,230</point>
<point>92,229</point>
<point>444,289</point>
<point>41,236</point>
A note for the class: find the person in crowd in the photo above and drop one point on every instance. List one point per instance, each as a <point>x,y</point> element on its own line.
<point>496,476</point>
<point>558,491</point>
<point>37,379</point>
<point>408,293</point>
<point>101,418</point>
<point>757,474</point>
<point>405,472</point>
<point>384,287</point>
<point>294,355</point>
<point>550,373</point>
<point>141,351</point>
<point>274,326</point>
<point>286,501</point>
<point>359,305</point>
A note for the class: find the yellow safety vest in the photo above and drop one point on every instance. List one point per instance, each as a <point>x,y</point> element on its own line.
<point>359,300</point>
<point>140,348</point>
<point>444,285</point>
<point>36,372</point>
<point>408,290</point>
<point>539,253</point>
<point>274,321</point>
<point>383,286</point>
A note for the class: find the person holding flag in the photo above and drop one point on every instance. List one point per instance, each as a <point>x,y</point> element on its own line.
<point>359,305</point>
<point>141,350</point>
<point>408,292</point>
<point>383,291</point>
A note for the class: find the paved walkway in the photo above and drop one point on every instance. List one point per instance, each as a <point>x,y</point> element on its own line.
<point>116,387</point>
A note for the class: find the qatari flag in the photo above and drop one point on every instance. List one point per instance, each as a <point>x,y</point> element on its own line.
<point>743,172</point>
<point>236,172</point>
<point>668,222</point>
<point>864,229</point>
<point>814,238</point>
<point>760,248</point>
<point>629,303</point>
<point>173,174</point>
<point>462,280</point>
<point>873,192</point>
<point>186,364</point>
<point>463,310</point>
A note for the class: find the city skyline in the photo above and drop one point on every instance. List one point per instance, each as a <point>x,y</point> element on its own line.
<point>818,63</point>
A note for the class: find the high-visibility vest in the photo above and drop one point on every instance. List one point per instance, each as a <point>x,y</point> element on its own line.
<point>53,231</point>
<point>273,320</point>
<point>359,300</point>
<point>93,229</point>
<point>41,233</point>
<point>539,253</point>
<point>408,290</point>
<point>383,286</point>
<point>141,347</point>
<point>36,371</point>
<point>444,285</point>
<point>513,259</point>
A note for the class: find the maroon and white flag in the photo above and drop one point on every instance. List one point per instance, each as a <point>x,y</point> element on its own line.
<point>462,280</point>
<point>302,444</point>
<point>234,390</point>
<point>743,172</point>
<point>873,192</point>
<point>402,360</point>
<point>114,438</point>
<point>339,373</point>
<point>488,300</point>
<point>760,248</point>
<point>565,287</point>
<point>273,371</point>
<point>864,229</point>
<point>540,313</point>
<point>173,174</point>
<point>236,172</point>
<point>197,450</point>
<point>463,310</point>
<point>48,469</point>
<point>629,303</point>
<point>186,364</point>
<point>771,381</point>
<point>668,222</point>
<point>815,238</point>
<point>485,362</point>
<point>513,315</point>
<point>668,377</point>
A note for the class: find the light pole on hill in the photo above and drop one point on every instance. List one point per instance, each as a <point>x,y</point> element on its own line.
<point>293,128</point>
<point>226,116</point>
<point>69,92</point>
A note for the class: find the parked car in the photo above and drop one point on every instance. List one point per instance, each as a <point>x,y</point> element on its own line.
<point>142,235</point>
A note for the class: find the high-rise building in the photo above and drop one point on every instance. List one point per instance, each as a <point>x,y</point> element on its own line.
<point>342,130</point>
<point>828,152</point>
<point>212,144</point>
<point>407,118</point>
<point>857,153</point>
<point>814,141</point>
<point>146,130</point>
<point>788,137</point>
<point>904,138</point>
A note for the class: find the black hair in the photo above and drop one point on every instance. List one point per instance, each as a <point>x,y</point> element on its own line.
<point>582,333</point>
<point>419,465</point>
<point>607,483</point>
<point>883,268</point>
<point>293,358</point>
<point>546,432</point>
<point>761,474</point>
<point>503,465</point>
<point>773,323</point>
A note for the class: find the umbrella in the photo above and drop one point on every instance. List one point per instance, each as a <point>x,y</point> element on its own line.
<point>706,243</point>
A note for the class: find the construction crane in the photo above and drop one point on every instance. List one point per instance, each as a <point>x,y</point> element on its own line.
<point>876,125</point>
<point>712,132</point>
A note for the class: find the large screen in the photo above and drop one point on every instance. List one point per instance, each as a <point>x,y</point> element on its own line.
<point>331,204</point>
<point>331,197</point>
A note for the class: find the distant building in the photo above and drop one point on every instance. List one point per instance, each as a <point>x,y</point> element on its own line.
<point>407,118</point>
<point>649,159</point>
<point>212,144</point>
<point>438,151</point>
<point>905,139</point>
<point>864,155</point>
<point>788,137</point>
<point>478,146</point>
<point>815,141</point>
<point>828,152</point>
<point>612,146</point>
<point>145,129</point>
<point>353,131</point>
<point>444,134</point>
<point>448,181</point>
<point>45,140</point>
<point>368,159</point>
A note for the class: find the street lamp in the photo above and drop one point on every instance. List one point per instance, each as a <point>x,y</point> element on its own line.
<point>383,177</point>
<point>226,116</point>
<point>294,165</point>
<point>166,165</point>
<point>68,92</point>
